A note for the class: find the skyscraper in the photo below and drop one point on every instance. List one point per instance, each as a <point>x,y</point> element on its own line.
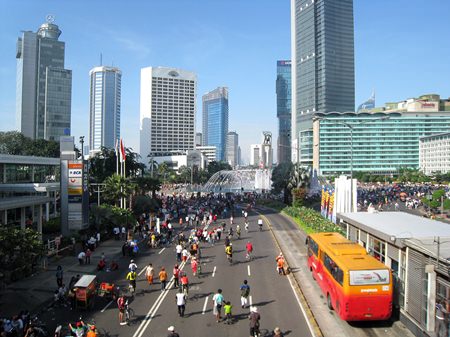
<point>167,110</point>
<point>104,127</point>
<point>283,89</point>
<point>232,148</point>
<point>44,87</point>
<point>322,44</point>
<point>215,120</point>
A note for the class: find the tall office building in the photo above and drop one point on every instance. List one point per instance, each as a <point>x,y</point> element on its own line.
<point>167,110</point>
<point>104,127</point>
<point>232,148</point>
<point>283,89</point>
<point>215,120</point>
<point>44,87</point>
<point>198,139</point>
<point>323,74</point>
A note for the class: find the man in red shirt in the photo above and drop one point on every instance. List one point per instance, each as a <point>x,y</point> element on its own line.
<point>249,249</point>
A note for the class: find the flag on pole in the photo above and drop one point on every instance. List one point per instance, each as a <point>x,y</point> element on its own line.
<point>122,152</point>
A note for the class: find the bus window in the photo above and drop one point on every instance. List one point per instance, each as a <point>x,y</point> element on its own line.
<point>313,246</point>
<point>334,269</point>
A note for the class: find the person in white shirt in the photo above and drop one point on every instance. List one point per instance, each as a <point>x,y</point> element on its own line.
<point>185,254</point>
<point>178,250</point>
<point>180,298</point>
<point>81,257</point>
<point>132,266</point>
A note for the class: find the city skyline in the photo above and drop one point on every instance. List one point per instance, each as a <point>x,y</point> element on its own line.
<point>238,47</point>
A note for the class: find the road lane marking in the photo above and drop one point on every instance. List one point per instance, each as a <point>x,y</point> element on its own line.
<point>143,269</point>
<point>301,307</point>
<point>248,270</point>
<point>159,253</point>
<point>204,305</point>
<point>144,323</point>
<point>250,300</point>
<point>214,271</point>
<point>106,307</point>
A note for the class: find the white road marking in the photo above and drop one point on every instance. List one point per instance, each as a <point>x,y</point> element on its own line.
<point>248,270</point>
<point>250,300</point>
<point>106,307</point>
<point>151,313</point>
<point>214,271</point>
<point>159,253</point>
<point>301,307</point>
<point>143,269</point>
<point>204,305</point>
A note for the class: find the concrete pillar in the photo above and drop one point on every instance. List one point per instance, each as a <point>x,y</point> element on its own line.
<point>47,211</point>
<point>22,218</point>
<point>431,297</point>
<point>4,218</point>
<point>39,220</point>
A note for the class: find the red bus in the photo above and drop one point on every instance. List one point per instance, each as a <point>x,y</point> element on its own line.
<point>357,286</point>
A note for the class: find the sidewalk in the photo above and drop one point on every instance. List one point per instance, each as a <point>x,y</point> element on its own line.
<point>292,243</point>
<point>35,293</point>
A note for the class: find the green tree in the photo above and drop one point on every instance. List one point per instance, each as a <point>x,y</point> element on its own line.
<point>184,174</point>
<point>280,179</point>
<point>146,184</point>
<point>299,183</point>
<point>19,248</point>
<point>216,166</point>
<point>144,204</point>
<point>15,143</point>
<point>117,187</point>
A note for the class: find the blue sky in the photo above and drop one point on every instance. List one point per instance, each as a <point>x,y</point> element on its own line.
<point>401,51</point>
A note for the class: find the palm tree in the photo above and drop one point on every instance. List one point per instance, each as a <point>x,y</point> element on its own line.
<point>116,188</point>
<point>147,183</point>
<point>299,183</point>
<point>163,170</point>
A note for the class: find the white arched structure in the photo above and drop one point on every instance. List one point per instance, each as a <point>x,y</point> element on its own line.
<point>239,180</point>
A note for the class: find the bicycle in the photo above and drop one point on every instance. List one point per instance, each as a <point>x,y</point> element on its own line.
<point>129,313</point>
<point>132,288</point>
<point>248,256</point>
<point>185,289</point>
<point>230,258</point>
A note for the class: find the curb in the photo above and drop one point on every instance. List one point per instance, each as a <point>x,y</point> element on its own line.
<point>317,332</point>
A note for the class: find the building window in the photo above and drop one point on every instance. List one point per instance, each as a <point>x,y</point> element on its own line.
<point>377,249</point>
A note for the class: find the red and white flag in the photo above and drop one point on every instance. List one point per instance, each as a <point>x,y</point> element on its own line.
<point>122,151</point>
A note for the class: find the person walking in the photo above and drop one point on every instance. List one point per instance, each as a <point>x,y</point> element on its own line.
<point>59,276</point>
<point>172,332</point>
<point>218,302</point>
<point>280,264</point>
<point>149,274</point>
<point>178,250</point>
<point>163,278</point>
<point>87,259</point>
<point>176,275</point>
<point>121,306</point>
<point>180,299</point>
<point>245,292</point>
<point>227,310</point>
<point>254,319</point>
<point>81,257</point>
<point>277,332</point>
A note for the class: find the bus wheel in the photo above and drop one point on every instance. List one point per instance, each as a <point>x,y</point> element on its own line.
<point>329,304</point>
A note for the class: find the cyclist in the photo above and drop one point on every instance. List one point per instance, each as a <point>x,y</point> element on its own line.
<point>132,266</point>
<point>121,306</point>
<point>79,329</point>
<point>131,277</point>
<point>249,249</point>
<point>238,231</point>
<point>260,224</point>
<point>229,252</point>
<point>92,331</point>
<point>254,318</point>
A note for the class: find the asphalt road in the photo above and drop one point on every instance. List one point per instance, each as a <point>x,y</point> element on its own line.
<point>156,310</point>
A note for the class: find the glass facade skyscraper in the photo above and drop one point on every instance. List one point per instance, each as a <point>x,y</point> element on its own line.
<point>379,146</point>
<point>105,98</point>
<point>215,120</point>
<point>233,148</point>
<point>44,87</point>
<point>323,75</point>
<point>283,89</point>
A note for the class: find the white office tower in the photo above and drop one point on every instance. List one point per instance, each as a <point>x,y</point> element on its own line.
<point>167,117</point>
<point>104,126</point>
<point>255,154</point>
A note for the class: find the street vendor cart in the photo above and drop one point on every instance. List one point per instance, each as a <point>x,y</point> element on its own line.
<point>85,291</point>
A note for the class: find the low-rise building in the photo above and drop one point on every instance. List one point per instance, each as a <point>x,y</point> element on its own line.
<point>417,249</point>
<point>434,153</point>
<point>29,189</point>
<point>210,152</point>
<point>188,158</point>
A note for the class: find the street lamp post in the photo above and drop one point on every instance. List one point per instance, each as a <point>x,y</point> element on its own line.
<point>351,128</point>
<point>82,147</point>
